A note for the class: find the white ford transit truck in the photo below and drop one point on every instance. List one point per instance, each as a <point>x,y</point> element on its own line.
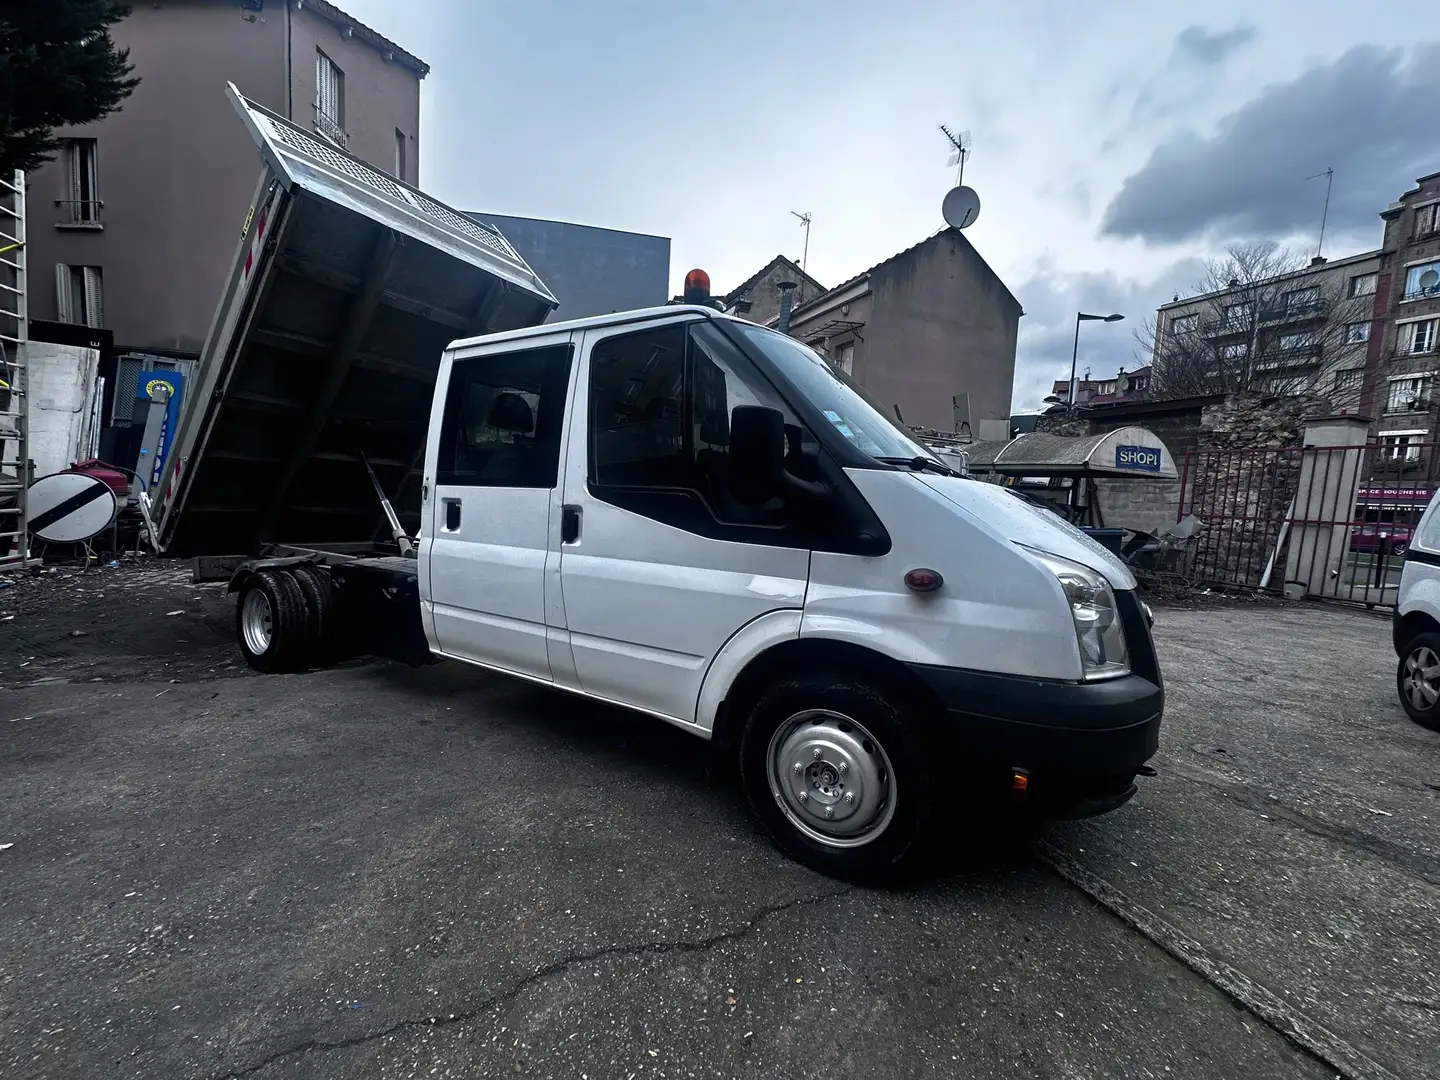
<point>671,510</point>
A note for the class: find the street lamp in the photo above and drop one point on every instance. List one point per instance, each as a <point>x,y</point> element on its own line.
<point>1080,317</point>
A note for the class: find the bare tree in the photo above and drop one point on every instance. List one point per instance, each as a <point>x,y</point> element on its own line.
<point>1263,319</point>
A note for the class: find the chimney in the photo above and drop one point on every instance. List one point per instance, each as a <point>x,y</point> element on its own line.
<point>786,302</point>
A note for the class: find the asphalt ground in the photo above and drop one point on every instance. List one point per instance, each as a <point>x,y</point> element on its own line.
<point>378,872</point>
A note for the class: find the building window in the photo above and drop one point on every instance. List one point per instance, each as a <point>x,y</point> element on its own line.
<point>1401,445</point>
<point>1301,298</point>
<point>81,203</point>
<point>1363,284</point>
<point>1349,379</point>
<point>1417,338</point>
<point>1427,221</point>
<point>399,155</point>
<point>1184,324</point>
<point>1236,314</point>
<point>1408,393</point>
<point>1233,352</point>
<point>845,358</point>
<point>1137,384</point>
<point>78,296</point>
<point>329,99</point>
<point>1357,332</point>
<point>1422,281</point>
<point>1296,342</point>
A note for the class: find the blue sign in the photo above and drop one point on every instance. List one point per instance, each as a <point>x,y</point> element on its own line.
<point>1143,458</point>
<point>146,385</point>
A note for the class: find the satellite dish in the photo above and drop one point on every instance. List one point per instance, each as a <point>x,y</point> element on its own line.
<point>67,508</point>
<point>961,207</point>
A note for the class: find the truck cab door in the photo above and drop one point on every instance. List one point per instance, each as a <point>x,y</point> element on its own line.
<point>659,564</point>
<point>491,514</point>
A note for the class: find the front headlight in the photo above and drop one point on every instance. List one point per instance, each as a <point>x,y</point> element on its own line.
<point>1098,627</point>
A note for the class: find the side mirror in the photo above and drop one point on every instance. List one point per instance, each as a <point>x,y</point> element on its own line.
<point>757,454</point>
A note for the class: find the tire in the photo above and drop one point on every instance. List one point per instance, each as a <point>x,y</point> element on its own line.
<point>271,623</point>
<point>1419,695</point>
<point>848,737</point>
<point>314,584</point>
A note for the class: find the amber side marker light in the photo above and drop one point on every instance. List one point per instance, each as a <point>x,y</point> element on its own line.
<point>923,581</point>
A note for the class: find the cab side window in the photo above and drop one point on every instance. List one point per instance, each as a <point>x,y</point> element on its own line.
<point>661,403</point>
<point>504,414</point>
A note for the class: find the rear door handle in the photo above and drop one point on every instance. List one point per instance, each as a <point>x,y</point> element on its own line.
<point>569,524</point>
<point>452,515</point>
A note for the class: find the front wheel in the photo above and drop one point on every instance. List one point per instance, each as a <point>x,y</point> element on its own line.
<point>1417,679</point>
<point>840,775</point>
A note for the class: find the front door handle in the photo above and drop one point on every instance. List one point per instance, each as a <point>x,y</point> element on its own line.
<point>452,515</point>
<point>569,524</point>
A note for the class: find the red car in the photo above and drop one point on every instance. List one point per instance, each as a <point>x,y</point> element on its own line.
<point>1376,536</point>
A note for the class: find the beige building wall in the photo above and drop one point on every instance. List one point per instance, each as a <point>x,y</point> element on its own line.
<point>176,168</point>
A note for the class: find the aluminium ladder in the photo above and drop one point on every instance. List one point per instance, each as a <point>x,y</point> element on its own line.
<point>14,399</point>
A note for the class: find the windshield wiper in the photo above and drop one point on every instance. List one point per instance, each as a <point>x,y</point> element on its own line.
<point>920,464</point>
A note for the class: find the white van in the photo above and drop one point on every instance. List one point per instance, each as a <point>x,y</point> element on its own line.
<point>1415,624</point>
<point>696,517</point>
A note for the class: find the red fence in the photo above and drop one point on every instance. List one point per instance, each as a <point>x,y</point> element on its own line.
<point>1336,521</point>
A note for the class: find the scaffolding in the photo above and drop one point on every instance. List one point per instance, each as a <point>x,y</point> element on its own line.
<point>14,397</point>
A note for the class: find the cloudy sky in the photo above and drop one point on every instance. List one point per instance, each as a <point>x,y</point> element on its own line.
<point>1117,144</point>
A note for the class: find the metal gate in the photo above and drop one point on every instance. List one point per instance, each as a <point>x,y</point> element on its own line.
<point>1333,522</point>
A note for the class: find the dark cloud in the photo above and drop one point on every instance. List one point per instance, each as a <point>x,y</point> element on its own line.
<point>1367,114</point>
<point>1211,47</point>
<point>1047,332</point>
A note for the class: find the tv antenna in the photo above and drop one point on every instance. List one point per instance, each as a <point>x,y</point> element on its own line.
<point>961,205</point>
<point>1329,175</point>
<point>804,220</point>
<point>960,147</point>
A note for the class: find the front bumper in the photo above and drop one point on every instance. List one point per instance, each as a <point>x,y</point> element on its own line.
<point>1101,729</point>
<point>1078,744</point>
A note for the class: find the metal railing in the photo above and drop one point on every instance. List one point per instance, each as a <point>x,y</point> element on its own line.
<point>81,212</point>
<point>1334,522</point>
<point>14,397</point>
<point>330,128</point>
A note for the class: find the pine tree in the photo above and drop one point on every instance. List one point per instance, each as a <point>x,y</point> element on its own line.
<point>58,68</point>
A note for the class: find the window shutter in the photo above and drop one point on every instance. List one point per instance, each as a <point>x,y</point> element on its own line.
<point>64,307</point>
<point>94,303</point>
<point>76,157</point>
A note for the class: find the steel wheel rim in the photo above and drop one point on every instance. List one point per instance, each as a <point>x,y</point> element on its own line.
<point>1421,682</point>
<point>256,622</point>
<point>831,778</point>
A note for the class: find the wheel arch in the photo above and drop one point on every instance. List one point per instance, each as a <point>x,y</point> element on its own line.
<point>1410,626</point>
<point>808,654</point>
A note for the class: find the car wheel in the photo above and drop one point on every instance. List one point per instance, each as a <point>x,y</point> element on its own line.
<point>271,623</point>
<point>841,776</point>
<point>1417,679</point>
<point>314,584</point>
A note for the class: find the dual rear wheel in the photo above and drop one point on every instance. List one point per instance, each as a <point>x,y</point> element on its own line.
<point>284,619</point>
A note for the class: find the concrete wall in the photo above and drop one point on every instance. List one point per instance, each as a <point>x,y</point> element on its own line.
<point>591,271</point>
<point>381,97</point>
<point>938,322</point>
<point>62,383</point>
<point>177,168</point>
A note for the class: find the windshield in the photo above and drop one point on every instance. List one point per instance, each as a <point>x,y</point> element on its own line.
<point>839,400</point>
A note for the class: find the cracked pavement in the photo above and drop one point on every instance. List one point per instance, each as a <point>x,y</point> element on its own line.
<point>375,872</point>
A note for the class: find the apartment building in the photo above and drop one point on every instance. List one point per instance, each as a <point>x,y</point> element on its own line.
<point>1405,356</point>
<point>137,221</point>
<point>1125,388</point>
<point>1303,331</point>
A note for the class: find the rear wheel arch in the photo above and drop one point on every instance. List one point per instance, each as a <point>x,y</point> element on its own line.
<point>808,656</point>
<point>1412,625</point>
